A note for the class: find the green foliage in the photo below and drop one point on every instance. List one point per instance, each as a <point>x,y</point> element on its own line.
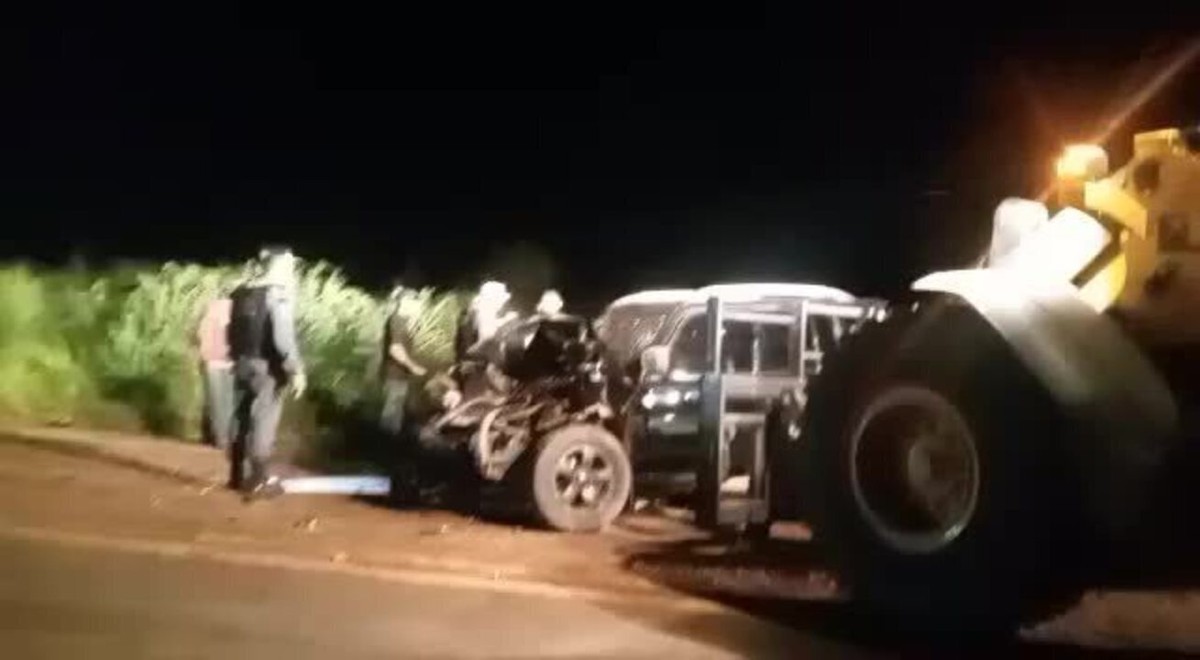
<point>39,373</point>
<point>339,328</point>
<point>432,330</point>
<point>75,342</point>
<point>145,355</point>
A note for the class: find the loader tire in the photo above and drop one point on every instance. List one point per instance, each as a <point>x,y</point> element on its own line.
<point>580,479</point>
<point>936,479</point>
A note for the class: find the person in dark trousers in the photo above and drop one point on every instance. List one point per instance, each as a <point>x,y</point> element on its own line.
<point>397,365</point>
<point>266,362</point>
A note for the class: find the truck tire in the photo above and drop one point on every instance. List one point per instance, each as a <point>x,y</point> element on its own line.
<point>581,479</point>
<point>936,478</point>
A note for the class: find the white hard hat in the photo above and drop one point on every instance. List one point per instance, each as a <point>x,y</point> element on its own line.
<point>550,303</point>
<point>278,268</point>
<point>492,290</point>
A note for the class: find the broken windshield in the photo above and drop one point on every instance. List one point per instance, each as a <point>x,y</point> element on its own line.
<point>627,330</point>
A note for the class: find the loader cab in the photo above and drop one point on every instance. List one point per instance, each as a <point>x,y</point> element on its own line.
<point>772,338</point>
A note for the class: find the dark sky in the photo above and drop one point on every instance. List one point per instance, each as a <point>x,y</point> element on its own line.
<point>639,147</point>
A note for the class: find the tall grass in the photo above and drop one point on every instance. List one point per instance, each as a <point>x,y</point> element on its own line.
<point>143,354</point>
<point>39,375</point>
<point>74,345</point>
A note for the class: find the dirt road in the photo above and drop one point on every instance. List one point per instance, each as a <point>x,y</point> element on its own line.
<point>68,602</point>
<point>646,565</point>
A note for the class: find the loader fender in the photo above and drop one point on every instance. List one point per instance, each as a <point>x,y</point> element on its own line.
<point>1121,415</point>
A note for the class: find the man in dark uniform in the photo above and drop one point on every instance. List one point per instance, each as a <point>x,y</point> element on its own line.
<point>397,365</point>
<point>262,343</point>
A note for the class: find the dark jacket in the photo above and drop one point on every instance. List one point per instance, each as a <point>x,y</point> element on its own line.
<point>262,326</point>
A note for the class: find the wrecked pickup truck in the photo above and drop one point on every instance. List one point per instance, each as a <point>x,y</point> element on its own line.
<point>528,410</point>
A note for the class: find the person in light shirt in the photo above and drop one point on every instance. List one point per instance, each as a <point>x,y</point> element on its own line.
<point>216,371</point>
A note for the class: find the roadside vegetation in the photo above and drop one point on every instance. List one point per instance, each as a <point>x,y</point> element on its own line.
<point>115,348</point>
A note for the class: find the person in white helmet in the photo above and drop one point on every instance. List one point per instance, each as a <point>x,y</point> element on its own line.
<point>550,305</point>
<point>486,314</point>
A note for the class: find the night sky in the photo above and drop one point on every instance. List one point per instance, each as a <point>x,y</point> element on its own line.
<point>638,148</point>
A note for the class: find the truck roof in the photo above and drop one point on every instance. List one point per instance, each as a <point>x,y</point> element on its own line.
<point>758,290</point>
<point>741,292</point>
<point>655,296</point>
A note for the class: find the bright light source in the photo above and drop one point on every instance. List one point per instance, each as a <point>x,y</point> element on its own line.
<point>1082,161</point>
<point>668,397</point>
<point>683,376</point>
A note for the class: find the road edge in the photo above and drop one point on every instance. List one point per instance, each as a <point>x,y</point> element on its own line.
<point>61,444</point>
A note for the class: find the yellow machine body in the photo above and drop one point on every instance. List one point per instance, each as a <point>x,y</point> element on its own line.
<point>1148,273</point>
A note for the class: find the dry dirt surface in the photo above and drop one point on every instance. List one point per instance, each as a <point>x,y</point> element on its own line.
<point>653,557</point>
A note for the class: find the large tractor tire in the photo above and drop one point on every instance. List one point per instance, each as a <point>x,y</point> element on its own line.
<point>936,478</point>
<point>580,478</point>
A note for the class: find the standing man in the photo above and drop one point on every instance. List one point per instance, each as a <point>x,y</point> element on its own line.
<point>397,366</point>
<point>486,314</point>
<point>550,304</point>
<point>262,342</point>
<point>217,372</point>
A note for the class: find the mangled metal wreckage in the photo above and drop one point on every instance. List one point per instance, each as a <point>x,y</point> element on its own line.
<point>527,408</point>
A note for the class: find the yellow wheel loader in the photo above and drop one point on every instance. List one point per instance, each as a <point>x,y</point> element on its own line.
<point>975,458</point>
<point>970,462</point>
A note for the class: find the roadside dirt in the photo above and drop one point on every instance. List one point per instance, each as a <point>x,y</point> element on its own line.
<point>49,490</point>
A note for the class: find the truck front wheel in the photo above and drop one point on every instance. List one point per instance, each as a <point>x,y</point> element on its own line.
<point>581,478</point>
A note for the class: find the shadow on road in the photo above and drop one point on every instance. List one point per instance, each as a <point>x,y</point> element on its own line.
<point>784,583</point>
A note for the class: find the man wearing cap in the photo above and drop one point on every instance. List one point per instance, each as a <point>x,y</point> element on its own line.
<point>266,358</point>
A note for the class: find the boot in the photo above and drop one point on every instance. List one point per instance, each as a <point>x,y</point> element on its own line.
<point>261,486</point>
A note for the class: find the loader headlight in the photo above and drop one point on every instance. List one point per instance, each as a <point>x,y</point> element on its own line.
<point>669,396</point>
<point>1085,162</point>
